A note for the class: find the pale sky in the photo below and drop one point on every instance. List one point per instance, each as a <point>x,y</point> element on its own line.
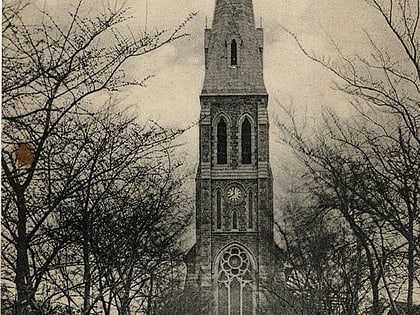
<point>172,95</point>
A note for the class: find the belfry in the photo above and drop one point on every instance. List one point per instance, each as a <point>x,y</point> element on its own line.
<point>234,251</point>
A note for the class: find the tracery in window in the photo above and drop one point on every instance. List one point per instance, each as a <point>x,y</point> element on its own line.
<point>233,53</point>
<point>218,210</point>
<point>246,141</point>
<point>235,283</point>
<point>221,142</point>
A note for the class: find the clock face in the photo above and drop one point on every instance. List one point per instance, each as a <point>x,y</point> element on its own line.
<point>234,194</point>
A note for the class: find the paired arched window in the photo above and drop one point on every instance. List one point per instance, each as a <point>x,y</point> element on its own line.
<point>221,142</point>
<point>245,138</point>
<point>235,282</point>
<point>218,210</point>
<point>233,53</point>
<point>246,141</point>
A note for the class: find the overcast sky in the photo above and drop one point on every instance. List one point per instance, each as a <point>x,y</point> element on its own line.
<point>172,95</point>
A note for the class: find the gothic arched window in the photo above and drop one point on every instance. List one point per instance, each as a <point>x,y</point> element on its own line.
<point>218,210</point>
<point>233,53</point>
<point>221,142</point>
<point>246,141</point>
<point>235,283</point>
<point>250,209</point>
<point>234,220</point>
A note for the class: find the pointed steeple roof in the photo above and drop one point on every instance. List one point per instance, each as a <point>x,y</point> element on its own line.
<point>236,15</point>
<point>233,48</point>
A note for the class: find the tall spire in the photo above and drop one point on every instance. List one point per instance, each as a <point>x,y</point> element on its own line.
<point>234,14</point>
<point>234,50</point>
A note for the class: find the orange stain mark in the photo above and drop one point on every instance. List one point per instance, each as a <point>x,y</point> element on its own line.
<point>25,154</point>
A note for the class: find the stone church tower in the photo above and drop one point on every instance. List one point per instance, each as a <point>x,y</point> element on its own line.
<point>234,251</point>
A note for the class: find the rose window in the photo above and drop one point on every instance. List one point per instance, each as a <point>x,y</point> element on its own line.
<point>235,262</point>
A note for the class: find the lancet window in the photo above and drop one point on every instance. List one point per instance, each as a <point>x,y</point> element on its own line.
<point>218,210</point>
<point>246,141</point>
<point>221,142</point>
<point>233,53</point>
<point>250,209</point>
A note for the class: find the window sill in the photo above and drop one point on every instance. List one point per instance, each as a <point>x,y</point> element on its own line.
<point>235,232</point>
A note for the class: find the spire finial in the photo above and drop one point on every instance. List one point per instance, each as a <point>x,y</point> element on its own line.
<point>261,22</point>
<point>146,13</point>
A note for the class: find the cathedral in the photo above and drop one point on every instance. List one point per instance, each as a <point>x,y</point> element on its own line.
<point>234,253</point>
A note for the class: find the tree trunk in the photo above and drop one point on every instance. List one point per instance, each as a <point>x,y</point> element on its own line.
<point>375,298</point>
<point>149,298</point>
<point>25,294</point>
<point>373,278</point>
<point>358,285</point>
<point>125,301</point>
<point>86,277</point>
<point>410,289</point>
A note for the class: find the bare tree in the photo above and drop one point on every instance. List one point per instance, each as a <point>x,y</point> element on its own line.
<point>186,301</point>
<point>367,167</point>
<point>368,201</point>
<point>49,72</point>
<point>123,215</point>
<point>324,265</point>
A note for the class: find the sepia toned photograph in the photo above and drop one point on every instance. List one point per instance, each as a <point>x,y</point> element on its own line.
<point>210,157</point>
